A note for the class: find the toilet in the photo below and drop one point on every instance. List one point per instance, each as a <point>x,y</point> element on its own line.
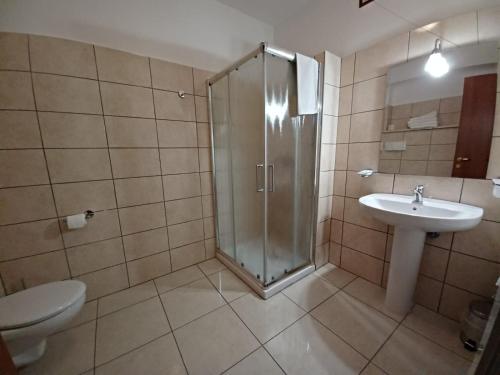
<point>28,317</point>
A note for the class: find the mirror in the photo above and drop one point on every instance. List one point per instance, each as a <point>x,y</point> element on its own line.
<point>441,126</point>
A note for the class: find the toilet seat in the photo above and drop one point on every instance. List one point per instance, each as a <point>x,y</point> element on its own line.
<point>39,303</point>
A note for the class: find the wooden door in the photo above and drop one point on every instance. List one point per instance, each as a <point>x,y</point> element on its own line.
<point>6,365</point>
<point>476,126</point>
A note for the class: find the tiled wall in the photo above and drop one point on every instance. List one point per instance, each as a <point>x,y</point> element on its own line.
<point>84,127</point>
<point>456,267</point>
<point>329,134</point>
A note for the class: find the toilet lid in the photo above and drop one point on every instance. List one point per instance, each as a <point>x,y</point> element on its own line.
<point>39,303</point>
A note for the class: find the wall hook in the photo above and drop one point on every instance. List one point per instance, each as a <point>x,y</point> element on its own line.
<point>181,94</point>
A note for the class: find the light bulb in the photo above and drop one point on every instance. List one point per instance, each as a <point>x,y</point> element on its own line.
<point>436,65</point>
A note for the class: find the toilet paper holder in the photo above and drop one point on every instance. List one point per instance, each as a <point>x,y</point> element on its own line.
<point>89,214</point>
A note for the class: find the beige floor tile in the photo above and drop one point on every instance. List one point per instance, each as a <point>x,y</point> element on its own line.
<point>437,328</point>
<point>128,329</point>
<point>266,318</point>
<point>363,327</point>
<point>86,314</point>
<point>211,266</point>
<point>371,294</point>
<point>310,292</point>
<point>160,356</point>
<point>68,352</point>
<point>178,278</point>
<point>127,297</point>
<point>215,342</point>
<point>229,285</point>
<point>191,301</point>
<point>337,276</point>
<point>309,348</point>
<point>371,369</point>
<point>257,363</point>
<point>407,352</point>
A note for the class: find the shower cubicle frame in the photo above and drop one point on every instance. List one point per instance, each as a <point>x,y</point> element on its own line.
<point>266,291</point>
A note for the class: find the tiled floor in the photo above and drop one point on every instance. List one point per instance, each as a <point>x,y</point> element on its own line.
<point>204,320</point>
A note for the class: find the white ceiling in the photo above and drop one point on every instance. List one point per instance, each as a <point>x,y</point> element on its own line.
<point>310,26</point>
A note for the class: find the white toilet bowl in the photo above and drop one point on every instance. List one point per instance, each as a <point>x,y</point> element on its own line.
<point>28,317</point>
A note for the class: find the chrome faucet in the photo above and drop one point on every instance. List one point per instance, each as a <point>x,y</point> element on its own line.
<point>419,194</point>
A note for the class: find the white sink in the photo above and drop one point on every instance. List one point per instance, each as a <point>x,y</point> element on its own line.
<point>411,223</point>
<point>433,215</point>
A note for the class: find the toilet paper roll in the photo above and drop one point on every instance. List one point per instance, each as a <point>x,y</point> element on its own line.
<point>76,221</point>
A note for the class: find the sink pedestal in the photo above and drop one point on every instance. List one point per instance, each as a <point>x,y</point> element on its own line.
<point>407,249</point>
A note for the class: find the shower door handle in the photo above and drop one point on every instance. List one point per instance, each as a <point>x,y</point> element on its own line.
<point>259,178</point>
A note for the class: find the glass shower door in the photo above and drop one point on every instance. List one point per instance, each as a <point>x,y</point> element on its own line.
<point>290,150</point>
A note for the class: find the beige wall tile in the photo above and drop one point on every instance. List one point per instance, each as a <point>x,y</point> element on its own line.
<point>122,67</point>
<point>428,292</point>
<point>335,251</point>
<point>182,210</point>
<point>187,255</point>
<point>434,262</point>
<point>329,128</point>
<point>332,65</point>
<point>170,106</point>
<point>201,104</point>
<point>145,243</point>
<point>75,198</point>
<point>434,187</point>
<point>488,23</point>
<point>389,166</point>
<point>479,193</point>
<point>340,159</point>
<point>455,302</point>
<point>353,213</point>
<point>420,152</point>
<point>148,268</point>
<point>123,100</point>
<point>482,241</point>
<point>22,167</point>
<point>367,126</point>
<point>367,241</point>
<point>442,152</point>
<point>494,163</point>
<point>95,256</point>
<point>22,240</point>
<point>347,70</point>
<point>181,186</point>
<point>339,181</point>
<point>61,56</point>
<point>78,165</point>
<point>363,156</point>
<point>325,183</point>
<point>336,228</point>
<point>135,162</point>
<point>324,208</point>
<point>34,270</point>
<point>200,81</point>
<point>345,100</point>
<point>14,51</point>
<point>203,132</point>
<point>66,94</point>
<point>131,132</point>
<point>337,207</point>
<point>205,158</point>
<point>135,191</point>
<point>210,248</point>
<point>19,129</point>
<point>331,96</point>
<point>418,137</point>
<point>363,265</point>
<point>16,91</point>
<point>67,130</point>
<point>323,232</point>
<point>208,205</point>
<point>374,61</point>
<point>177,133</point>
<point>26,204</point>
<point>369,95</point>
<point>186,233</point>
<point>321,254</point>
<point>413,167</point>
<point>106,281</point>
<point>358,186</point>
<point>104,225</point>
<point>179,160</point>
<point>439,168</point>
<point>170,76</point>
<point>472,274</point>
<point>327,157</point>
<point>141,218</point>
<point>209,227</point>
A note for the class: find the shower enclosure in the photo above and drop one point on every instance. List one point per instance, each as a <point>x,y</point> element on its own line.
<point>265,170</point>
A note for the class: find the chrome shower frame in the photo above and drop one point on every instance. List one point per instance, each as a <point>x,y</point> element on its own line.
<point>263,290</point>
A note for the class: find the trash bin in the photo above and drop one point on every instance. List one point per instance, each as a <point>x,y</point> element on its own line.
<point>474,323</point>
